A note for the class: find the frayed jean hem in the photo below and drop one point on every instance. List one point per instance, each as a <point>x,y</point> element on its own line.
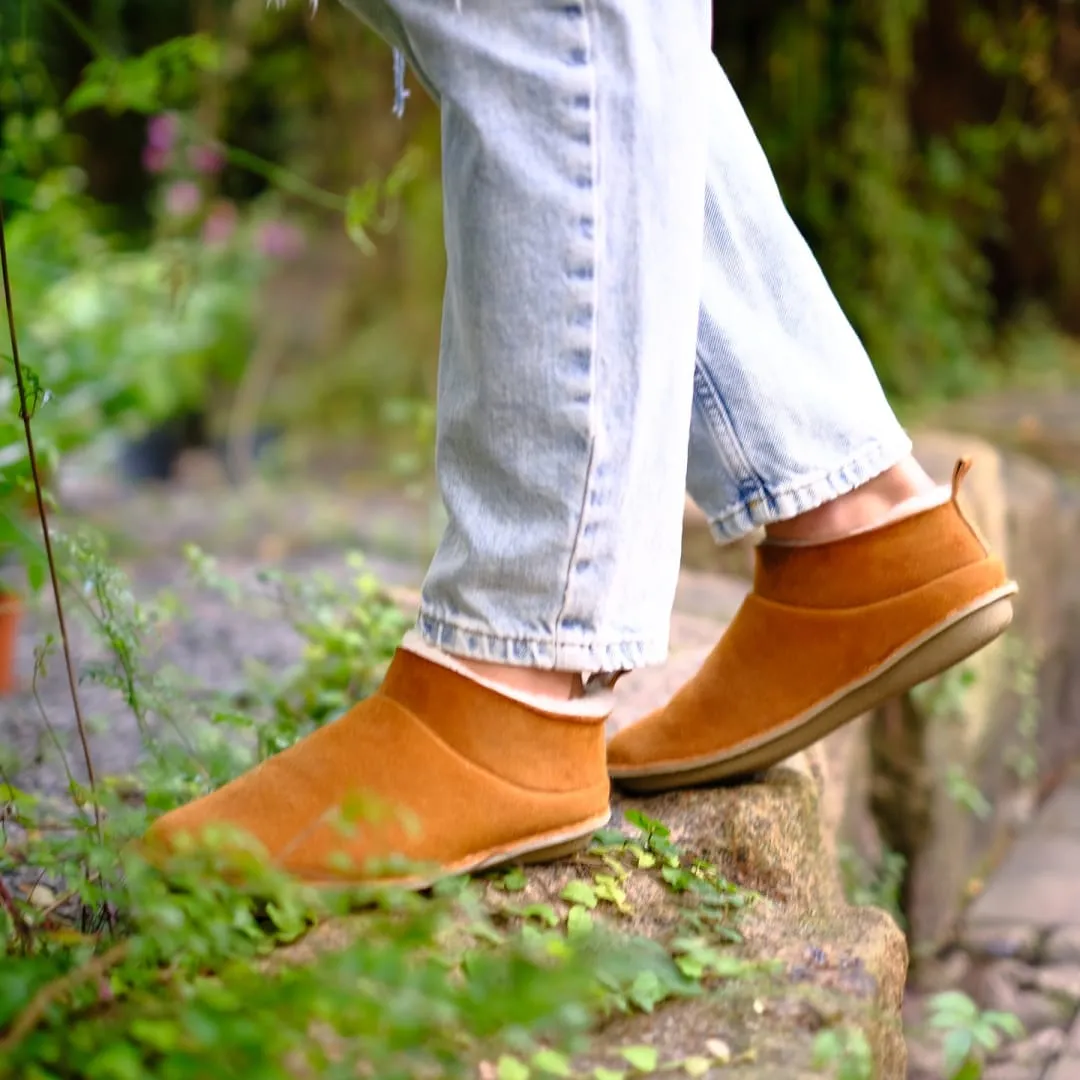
<point>800,495</point>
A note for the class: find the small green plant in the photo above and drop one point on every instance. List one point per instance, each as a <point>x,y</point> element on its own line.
<point>966,793</point>
<point>844,1053</point>
<point>943,697</point>
<point>878,886</point>
<point>1024,663</point>
<point>970,1033</point>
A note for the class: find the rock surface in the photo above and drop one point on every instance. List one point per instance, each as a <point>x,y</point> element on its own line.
<point>838,966</point>
<point>810,961</point>
<point>1019,952</point>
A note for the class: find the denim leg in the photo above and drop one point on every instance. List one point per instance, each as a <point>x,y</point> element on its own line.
<point>573,177</point>
<point>788,412</point>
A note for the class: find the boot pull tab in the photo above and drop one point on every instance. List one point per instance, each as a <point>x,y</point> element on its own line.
<point>962,468</point>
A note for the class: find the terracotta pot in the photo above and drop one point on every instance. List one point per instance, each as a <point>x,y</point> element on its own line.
<point>10,616</point>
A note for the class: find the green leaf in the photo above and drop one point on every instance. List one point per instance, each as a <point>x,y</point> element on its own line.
<point>600,1073</point>
<point>514,880</point>
<point>510,1068</point>
<point>958,1044</point>
<point>679,879</point>
<point>579,923</point>
<point>646,991</point>
<point>697,1066</point>
<point>87,95</point>
<point>543,913</point>
<point>360,208</point>
<point>988,1037</point>
<point>970,1070</point>
<point>161,1035</point>
<point>1007,1022</point>
<point>690,966</point>
<point>647,824</point>
<point>609,838</point>
<point>607,888</point>
<point>954,1004</point>
<point>579,892</point>
<point>643,1058</point>
<point>552,1062</point>
<point>827,1048</point>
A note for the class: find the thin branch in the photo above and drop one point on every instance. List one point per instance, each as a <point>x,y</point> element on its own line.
<point>54,577</point>
<point>81,30</point>
<point>22,931</point>
<point>32,1015</point>
<point>39,662</point>
<point>286,180</point>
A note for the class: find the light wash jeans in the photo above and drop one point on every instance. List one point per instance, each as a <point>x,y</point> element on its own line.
<point>629,313</point>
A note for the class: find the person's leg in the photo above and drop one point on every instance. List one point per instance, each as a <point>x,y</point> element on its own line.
<point>788,412</point>
<point>869,580</point>
<point>574,209</point>
<point>574,176</point>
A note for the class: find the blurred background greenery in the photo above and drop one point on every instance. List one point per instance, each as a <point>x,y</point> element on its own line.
<point>217,227</point>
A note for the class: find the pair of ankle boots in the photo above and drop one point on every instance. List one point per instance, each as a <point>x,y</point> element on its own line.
<point>452,776</point>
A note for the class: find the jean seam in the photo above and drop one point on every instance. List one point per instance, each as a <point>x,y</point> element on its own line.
<point>721,426</point>
<point>595,241</point>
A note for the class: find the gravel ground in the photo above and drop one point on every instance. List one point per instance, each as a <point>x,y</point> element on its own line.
<point>211,641</point>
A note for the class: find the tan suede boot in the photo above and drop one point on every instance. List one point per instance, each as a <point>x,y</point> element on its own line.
<point>829,632</point>
<point>459,778</point>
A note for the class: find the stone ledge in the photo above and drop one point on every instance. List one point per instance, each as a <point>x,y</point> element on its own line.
<point>819,963</point>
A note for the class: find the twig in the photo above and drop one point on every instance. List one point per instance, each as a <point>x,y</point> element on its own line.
<point>39,662</point>
<point>22,931</point>
<point>24,413</point>
<point>31,1016</point>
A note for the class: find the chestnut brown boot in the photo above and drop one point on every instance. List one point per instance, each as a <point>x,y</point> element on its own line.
<point>829,632</point>
<point>461,779</point>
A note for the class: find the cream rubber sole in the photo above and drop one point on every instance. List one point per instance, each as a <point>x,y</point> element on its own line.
<point>545,848</point>
<point>950,641</point>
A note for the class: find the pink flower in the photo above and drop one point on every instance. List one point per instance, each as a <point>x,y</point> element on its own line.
<point>154,159</point>
<point>207,160</point>
<point>182,199</point>
<point>220,223</point>
<point>161,131</point>
<point>279,240</point>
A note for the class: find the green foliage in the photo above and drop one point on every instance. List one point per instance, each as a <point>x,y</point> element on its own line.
<point>114,338</point>
<point>166,76</point>
<point>844,1054</point>
<point>901,218</point>
<point>879,886</point>
<point>970,1033</point>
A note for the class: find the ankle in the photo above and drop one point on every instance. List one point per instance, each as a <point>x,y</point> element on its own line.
<point>560,685</point>
<point>864,508</point>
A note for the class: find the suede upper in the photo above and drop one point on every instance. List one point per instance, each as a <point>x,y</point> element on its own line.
<point>820,619</point>
<point>442,770</point>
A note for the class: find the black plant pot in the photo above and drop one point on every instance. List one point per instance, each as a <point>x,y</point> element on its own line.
<point>154,456</point>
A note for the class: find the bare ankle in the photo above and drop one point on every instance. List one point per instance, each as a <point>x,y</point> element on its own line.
<point>863,508</point>
<point>561,685</point>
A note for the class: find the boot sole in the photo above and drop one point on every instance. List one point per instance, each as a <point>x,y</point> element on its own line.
<point>545,848</point>
<point>948,643</point>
